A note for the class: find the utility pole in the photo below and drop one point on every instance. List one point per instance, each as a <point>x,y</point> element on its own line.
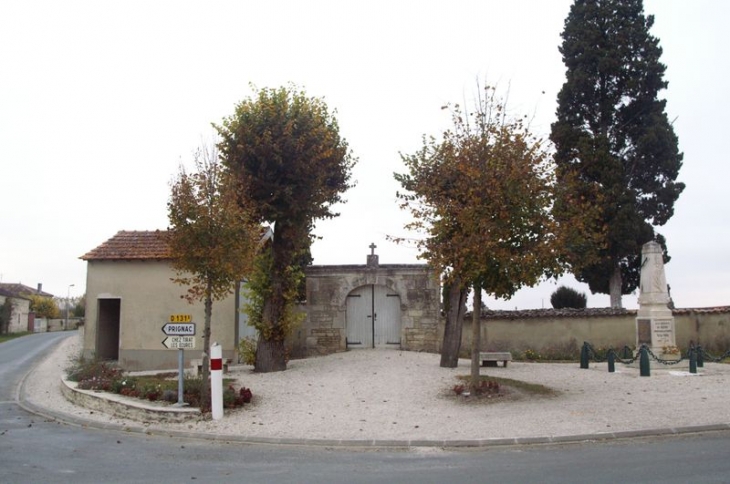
<point>68,300</point>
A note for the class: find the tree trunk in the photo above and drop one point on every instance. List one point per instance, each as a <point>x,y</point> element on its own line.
<point>476,336</point>
<point>270,350</point>
<point>614,287</point>
<point>454,323</point>
<point>270,355</point>
<point>205,371</point>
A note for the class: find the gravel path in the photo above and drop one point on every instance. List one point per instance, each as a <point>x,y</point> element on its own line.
<point>399,395</point>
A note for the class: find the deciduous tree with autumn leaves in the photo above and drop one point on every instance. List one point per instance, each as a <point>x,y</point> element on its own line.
<point>286,151</point>
<point>481,197</point>
<point>211,235</point>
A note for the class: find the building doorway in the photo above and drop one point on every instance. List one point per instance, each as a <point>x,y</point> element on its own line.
<point>107,333</point>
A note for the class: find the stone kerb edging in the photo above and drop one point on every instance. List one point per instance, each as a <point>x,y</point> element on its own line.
<point>125,408</point>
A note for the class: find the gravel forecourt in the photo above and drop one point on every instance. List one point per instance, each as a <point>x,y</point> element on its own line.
<point>401,395</point>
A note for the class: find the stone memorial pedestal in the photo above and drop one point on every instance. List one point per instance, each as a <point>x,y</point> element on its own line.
<point>654,321</point>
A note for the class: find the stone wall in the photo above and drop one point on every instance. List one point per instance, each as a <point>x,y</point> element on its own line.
<point>324,329</point>
<point>551,330</point>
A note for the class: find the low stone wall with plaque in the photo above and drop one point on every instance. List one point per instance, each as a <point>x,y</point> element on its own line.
<point>550,330</point>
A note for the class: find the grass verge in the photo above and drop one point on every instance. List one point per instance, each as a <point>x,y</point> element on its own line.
<point>8,337</point>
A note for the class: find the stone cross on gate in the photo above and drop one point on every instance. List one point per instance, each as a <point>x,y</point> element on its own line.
<point>372,260</point>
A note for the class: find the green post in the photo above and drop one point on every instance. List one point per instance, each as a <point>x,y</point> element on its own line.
<point>611,361</point>
<point>644,369</point>
<point>692,360</point>
<point>700,357</point>
<point>627,353</point>
<point>584,356</point>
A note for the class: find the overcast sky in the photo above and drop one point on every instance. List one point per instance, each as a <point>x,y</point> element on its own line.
<point>101,101</point>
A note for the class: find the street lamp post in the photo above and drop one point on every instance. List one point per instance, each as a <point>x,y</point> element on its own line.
<point>68,299</point>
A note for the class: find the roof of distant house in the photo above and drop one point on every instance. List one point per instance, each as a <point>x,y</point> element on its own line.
<point>132,245</point>
<point>12,289</point>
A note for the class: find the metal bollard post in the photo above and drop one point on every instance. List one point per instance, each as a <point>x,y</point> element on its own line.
<point>700,357</point>
<point>627,354</point>
<point>584,356</point>
<point>611,361</point>
<point>644,369</point>
<point>216,381</point>
<point>692,360</point>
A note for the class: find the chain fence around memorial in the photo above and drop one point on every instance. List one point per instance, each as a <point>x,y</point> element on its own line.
<point>627,356</point>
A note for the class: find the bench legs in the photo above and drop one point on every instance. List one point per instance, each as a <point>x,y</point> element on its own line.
<point>493,363</point>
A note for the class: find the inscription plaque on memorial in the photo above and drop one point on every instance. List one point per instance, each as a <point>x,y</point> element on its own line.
<point>643,330</point>
<point>664,330</point>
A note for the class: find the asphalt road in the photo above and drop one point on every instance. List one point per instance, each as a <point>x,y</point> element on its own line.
<point>34,450</point>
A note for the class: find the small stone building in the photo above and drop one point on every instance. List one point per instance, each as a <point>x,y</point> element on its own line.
<point>130,296</point>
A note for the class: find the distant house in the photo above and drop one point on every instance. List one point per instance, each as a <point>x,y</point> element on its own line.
<point>130,296</point>
<point>21,319</point>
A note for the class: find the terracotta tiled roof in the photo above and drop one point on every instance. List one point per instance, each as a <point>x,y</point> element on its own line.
<point>585,313</point>
<point>132,245</point>
<point>716,310</point>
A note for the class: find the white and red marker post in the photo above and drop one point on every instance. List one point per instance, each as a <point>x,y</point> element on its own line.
<point>216,381</point>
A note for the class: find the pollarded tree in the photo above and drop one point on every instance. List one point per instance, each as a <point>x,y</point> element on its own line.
<point>293,165</point>
<point>615,147</point>
<point>212,237</point>
<point>482,196</point>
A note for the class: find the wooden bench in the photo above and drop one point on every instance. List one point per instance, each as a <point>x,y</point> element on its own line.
<point>198,365</point>
<point>491,358</point>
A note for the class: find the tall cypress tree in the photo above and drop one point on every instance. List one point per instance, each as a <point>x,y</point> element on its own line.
<point>616,151</point>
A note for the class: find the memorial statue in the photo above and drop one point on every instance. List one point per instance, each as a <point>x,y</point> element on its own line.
<point>655,322</point>
<point>653,283</point>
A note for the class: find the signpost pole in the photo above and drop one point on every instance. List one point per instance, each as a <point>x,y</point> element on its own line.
<point>180,376</point>
<point>180,332</point>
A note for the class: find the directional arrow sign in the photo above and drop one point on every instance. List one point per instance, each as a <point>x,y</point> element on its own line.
<point>179,342</point>
<point>179,329</point>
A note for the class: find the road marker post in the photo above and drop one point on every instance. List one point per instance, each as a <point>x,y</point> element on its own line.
<point>216,381</point>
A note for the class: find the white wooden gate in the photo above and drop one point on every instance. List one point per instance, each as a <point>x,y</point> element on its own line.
<point>373,318</point>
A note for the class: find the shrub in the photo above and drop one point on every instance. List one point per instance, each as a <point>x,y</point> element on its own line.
<point>169,396</point>
<point>94,374</point>
<point>532,355</point>
<point>233,399</point>
<point>106,376</point>
<point>247,351</point>
<point>566,297</point>
<point>487,387</point>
